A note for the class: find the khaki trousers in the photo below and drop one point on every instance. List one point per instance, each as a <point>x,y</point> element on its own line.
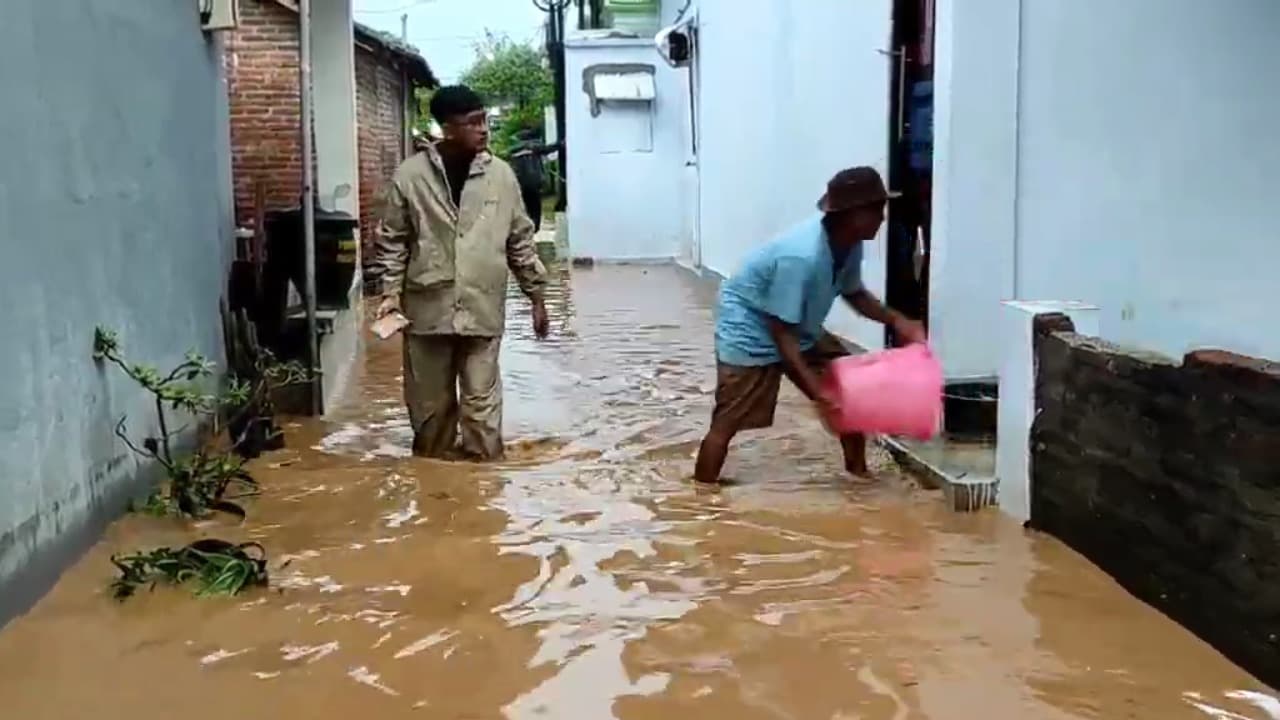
<point>452,384</point>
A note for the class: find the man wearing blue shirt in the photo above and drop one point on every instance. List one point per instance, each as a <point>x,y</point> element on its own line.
<point>771,313</point>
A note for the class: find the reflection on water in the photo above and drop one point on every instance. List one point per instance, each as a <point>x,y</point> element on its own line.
<point>584,577</point>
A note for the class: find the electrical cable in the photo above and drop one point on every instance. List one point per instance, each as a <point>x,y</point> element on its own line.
<point>410,6</point>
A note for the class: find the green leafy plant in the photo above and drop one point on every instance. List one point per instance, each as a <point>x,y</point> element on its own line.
<point>181,389</point>
<point>156,505</point>
<point>251,418</point>
<point>206,480</point>
<point>199,483</point>
<point>422,118</point>
<point>216,567</point>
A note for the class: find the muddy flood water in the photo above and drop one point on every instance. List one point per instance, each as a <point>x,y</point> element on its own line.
<point>587,578</point>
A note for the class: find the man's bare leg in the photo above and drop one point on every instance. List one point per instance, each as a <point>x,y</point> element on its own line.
<point>855,454</point>
<point>712,454</point>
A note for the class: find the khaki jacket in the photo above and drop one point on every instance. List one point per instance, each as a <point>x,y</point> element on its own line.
<point>449,265</point>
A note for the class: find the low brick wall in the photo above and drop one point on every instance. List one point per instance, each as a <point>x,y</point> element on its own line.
<point>1167,476</point>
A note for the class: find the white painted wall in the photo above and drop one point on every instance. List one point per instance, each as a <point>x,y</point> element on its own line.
<point>975,180</point>
<point>625,204</point>
<point>1117,153</point>
<point>550,132</point>
<point>1113,153</point>
<point>1017,409</point>
<point>1148,168</point>
<point>788,94</point>
<point>334,80</point>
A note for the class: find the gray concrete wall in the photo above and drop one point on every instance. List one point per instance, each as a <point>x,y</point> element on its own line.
<point>1167,476</point>
<point>115,209</point>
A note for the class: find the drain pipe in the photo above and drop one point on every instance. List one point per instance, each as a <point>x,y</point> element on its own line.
<point>308,199</point>
<point>1017,150</point>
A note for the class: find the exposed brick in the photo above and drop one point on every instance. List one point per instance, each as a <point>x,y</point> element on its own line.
<point>380,117</point>
<point>1046,323</point>
<point>262,74</point>
<point>263,86</point>
<point>1168,477</point>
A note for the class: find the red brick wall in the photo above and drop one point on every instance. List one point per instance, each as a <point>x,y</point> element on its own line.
<point>262,73</point>
<point>380,117</point>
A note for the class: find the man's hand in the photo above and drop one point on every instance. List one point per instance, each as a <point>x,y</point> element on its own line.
<point>541,323</point>
<point>908,331</point>
<point>869,306</point>
<point>389,304</point>
<point>827,408</point>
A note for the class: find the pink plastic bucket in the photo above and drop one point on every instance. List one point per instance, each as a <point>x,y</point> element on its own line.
<point>894,392</point>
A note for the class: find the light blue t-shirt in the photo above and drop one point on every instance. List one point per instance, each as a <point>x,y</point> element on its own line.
<point>791,278</point>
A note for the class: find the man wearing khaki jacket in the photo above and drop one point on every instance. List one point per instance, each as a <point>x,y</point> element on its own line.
<point>453,225</point>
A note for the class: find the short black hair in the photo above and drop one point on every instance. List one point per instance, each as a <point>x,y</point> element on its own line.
<point>454,100</point>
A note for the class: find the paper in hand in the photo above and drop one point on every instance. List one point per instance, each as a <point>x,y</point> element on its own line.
<point>389,324</point>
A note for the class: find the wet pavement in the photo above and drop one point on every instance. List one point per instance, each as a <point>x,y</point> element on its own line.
<point>585,577</point>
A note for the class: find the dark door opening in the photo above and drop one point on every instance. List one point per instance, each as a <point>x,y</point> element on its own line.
<point>910,160</point>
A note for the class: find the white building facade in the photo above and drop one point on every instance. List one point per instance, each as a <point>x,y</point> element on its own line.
<point>1108,153</point>
<point>627,127</point>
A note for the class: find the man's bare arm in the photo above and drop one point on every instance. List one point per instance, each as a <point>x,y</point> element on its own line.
<point>793,362</point>
<point>870,307</point>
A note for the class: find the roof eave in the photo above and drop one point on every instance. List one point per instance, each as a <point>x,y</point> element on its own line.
<point>416,66</point>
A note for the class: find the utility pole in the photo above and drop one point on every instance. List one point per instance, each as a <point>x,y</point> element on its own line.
<point>555,54</point>
<point>406,89</point>
<point>306,110</point>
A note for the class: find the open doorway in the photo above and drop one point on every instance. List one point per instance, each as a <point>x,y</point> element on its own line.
<point>910,160</point>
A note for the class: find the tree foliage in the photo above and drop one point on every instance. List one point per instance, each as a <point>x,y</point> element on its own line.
<point>422,120</point>
<point>508,73</point>
<point>513,78</point>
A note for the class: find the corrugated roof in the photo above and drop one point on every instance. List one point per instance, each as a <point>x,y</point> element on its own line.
<point>417,65</point>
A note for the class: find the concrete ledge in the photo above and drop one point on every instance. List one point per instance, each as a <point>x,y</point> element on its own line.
<point>963,492</point>
<point>1021,323</point>
<point>340,339</point>
<point>325,320</point>
<point>607,39</point>
<point>585,261</point>
<point>929,475</point>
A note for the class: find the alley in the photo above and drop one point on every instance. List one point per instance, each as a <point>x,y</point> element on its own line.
<point>587,578</point>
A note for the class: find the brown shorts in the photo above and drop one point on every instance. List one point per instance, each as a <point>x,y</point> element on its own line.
<point>746,397</point>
